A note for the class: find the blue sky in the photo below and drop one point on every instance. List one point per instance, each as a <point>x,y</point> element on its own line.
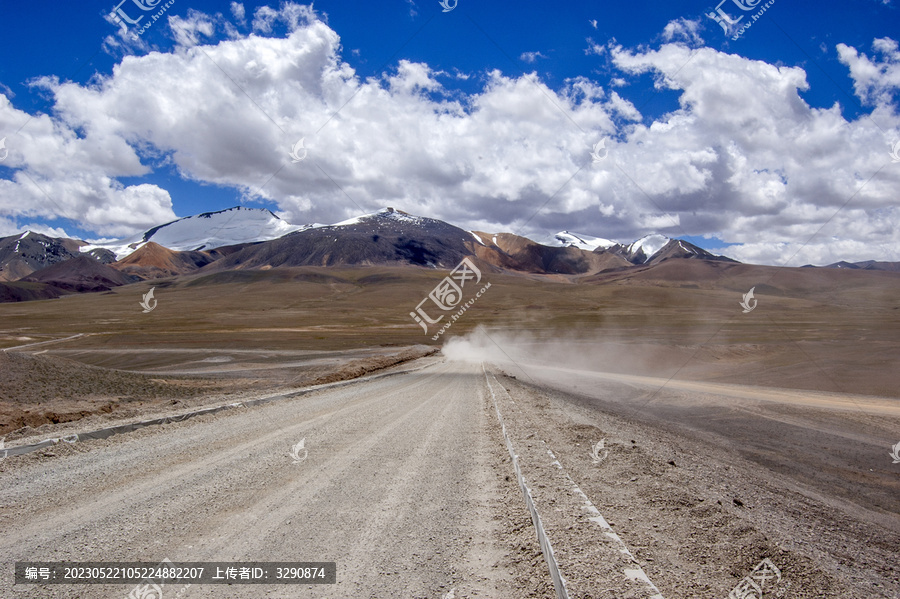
<point>775,143</point>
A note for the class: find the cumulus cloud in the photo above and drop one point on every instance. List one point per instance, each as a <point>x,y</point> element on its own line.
<point>743,158</point>
<point>58,173</point>
<point>760,166</point>
<point>875,81</point>
<point>10,227</point>
<point>188,31</point>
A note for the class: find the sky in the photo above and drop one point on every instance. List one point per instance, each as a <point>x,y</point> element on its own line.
<point>773,143</point>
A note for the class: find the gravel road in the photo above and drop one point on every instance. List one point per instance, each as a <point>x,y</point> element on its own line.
<point>409,488</point>
<point>406,486</point>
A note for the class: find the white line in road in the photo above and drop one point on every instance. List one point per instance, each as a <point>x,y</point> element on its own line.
<point>559,583</point>
<point>635,574</point>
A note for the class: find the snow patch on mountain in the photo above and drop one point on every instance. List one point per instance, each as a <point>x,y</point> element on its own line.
<point>384,213</point>
<point>648,245</point>
<point>582,242</point>
<point>206,231</point>
<point>690,250</point>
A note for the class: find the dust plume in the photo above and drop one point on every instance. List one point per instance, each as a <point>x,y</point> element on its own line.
<point>528,351</point>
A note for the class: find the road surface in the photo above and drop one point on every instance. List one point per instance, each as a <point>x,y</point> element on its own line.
<point>408,487</point>
<point>404,486</point>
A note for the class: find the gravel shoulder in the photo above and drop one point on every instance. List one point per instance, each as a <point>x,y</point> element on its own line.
<point>701,487</point>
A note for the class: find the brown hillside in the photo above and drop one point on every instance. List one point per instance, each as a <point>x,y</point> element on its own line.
<point>81,274</point>
<point>153,261</point>
<point>522,254</point>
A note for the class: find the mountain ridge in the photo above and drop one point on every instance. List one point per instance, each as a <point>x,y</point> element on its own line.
<point>386,237</point>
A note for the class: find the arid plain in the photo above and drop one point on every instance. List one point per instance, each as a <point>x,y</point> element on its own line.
<point>732,436</point>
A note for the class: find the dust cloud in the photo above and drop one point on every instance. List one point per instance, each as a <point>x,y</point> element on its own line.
<point>527,352</point>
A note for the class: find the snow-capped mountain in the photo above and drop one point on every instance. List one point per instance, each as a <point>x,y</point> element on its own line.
<point>258,239</point>
<point>206,231</point>
<point>23,254</point>
<point>582,242</point>
<point>642,250</point>
<point>654,248</point>
<point>649,249</point>
<point>385,237</point>
<point>382,216</point>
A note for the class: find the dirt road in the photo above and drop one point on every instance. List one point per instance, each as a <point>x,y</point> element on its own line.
<point>406,486</point>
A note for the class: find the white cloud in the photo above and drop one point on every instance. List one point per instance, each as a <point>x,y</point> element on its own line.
<point>775,169</point>
<point>412,77</point>
<point>874,81</point>
<point>264,18</point>
<point>9,227</point>
<point>593,23</point>
<point>188,31</point>
<point>594,48</point>
<point>290,14</point>
<point>683,30</point>
<point>742,158</point>
<point>238,11</point>
<point>61,174</point>
<point>530,57</point>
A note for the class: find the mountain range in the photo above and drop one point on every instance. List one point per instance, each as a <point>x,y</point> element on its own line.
<point>35,266</point>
